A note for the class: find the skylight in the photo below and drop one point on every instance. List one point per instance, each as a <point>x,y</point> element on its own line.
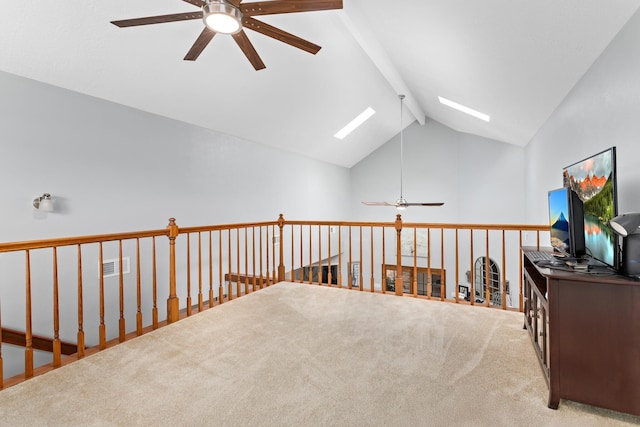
<point>464,109</point>
<point>353,125</point>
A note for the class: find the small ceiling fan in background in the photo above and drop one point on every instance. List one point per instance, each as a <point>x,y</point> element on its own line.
<point>401,203</point>
<point>233,16</point>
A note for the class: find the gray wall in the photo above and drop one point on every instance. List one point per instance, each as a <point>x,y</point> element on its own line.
<point>479,180</point>
<point>111,168</point>
<point>601,111</point>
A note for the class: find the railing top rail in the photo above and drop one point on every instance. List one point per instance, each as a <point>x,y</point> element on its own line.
<point>69,241</point>
<point>342,223</point>
<point>80,240</point>
<point>514,227</point>
<point>202,228</point>
<point>510,227</point>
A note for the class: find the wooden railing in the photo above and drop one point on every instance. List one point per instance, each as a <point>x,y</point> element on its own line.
<point>43,283</point>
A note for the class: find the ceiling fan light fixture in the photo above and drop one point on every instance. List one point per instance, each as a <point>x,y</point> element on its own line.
<point>222,17</point>
<point>401,204</point>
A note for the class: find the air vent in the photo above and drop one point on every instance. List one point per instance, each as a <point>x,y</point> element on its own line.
<point>111,267</point>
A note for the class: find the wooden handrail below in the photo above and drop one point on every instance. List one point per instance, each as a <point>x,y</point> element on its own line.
<point>10,336</point>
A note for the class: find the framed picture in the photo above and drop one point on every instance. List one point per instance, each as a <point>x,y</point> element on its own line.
<point>409,245</point>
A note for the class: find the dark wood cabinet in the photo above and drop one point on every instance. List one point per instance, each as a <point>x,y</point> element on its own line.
<point>585,329</point>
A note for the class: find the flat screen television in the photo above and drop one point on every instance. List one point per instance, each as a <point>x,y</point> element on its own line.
<point>594,181</point>
<point>566,222</point>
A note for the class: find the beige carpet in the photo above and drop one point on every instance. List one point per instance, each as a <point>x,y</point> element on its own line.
<point>304,355</point>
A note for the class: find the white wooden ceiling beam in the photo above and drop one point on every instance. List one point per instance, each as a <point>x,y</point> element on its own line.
<point>357,25</point>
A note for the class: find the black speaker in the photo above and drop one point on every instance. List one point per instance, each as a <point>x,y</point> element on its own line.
<point>631,255</point>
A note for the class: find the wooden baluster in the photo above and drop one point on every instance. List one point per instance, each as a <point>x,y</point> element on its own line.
<point>310,256</point>
<point>471,272</point>
<point>329,275</point>
<point>210,269</point>
<point>429,282</point>
<point>487,271</point>
<point>293,263</point>
<point>360,275</point>
<point>173,303</point>
<point>253,249</point>
<point>220,276</point>
<point>384,273</point>
<point>229,284</point>
<point>350,273</point>
<point>504,274</point>
<point>28,348</point>
<point>443,277</point>
<point>301,257</point>
<point>280,274</point>
<point>415,263</point>
<point>188,274</point>
<point>200,299</point>
<point>319,255</point>
<point>262,278</point>
<point>339,256</point>
<point>520,284</point>
<point>57,347</point>
<point>138,290</point>
<point>372,262</point>
<point>102,329</point>
<point>154,311</point>
<point>122,328</point>
<point>246,261</point>
<point>267,260</point>
<point>398,226</point>
<point>238,283</point>
<point>80,335</point>
<point>457,289</point>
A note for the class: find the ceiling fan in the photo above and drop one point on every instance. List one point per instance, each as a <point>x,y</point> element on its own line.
<point>401,203</point>
<point>233,16</point>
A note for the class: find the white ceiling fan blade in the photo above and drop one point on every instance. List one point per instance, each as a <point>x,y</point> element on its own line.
<point>379,204</point>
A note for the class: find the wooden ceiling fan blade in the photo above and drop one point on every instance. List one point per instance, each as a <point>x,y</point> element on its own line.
<point>161,19</point>
<point>250,52</point>
<point>201,42</point>
<point>278,34</point>
<point>288,6</point>
<point>198,3</point>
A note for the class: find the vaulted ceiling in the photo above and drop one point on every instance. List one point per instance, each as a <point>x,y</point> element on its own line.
<point>513,60</point>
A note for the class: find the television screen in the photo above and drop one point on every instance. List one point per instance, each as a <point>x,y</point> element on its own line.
<point>594,181</point>
<point>559,219</point>
<point>566,222</point>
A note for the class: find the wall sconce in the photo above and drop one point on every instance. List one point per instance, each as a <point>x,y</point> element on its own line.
<point>625,224</point>
<point>44,202</point>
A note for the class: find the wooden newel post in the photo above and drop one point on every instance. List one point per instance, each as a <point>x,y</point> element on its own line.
<point>399,283</point>
<point>173,306</point>
<point>281,246</point>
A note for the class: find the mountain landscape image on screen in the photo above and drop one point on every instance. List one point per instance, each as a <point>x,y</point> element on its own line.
<point>560,232</point>
<point>593,181</point>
